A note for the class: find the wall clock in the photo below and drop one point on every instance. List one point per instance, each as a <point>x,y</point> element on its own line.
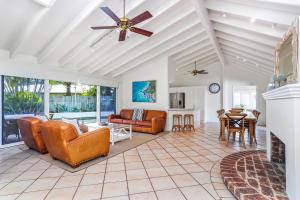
<point>214,88</point>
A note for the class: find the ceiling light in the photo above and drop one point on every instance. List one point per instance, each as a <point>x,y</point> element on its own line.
<point>257,65</point>
<point>176,69</point>
<point>252,20</point>
<point>224,15</point>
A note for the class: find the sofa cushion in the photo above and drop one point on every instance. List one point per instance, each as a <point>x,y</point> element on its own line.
<point>144,123</point>
<point>127,121</point>
<point>126,114</point>
<point>117,121</point>
<point>154,113</point>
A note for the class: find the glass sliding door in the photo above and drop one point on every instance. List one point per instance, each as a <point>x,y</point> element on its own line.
<point>108,105</point>
<point>20,97</point>
<point>72,101</point>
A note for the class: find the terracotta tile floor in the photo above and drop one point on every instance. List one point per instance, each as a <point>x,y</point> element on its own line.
<point>176,166</point>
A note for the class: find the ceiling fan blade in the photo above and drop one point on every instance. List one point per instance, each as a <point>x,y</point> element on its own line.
<point>122,35</point>
<point>103,27</point>
<point>201,71</point>
<point>204,73</point>
<point>140,18</point>
<point>141,31</point>
<point>110,13</point>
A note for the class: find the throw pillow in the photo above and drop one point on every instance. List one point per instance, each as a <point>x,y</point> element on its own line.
<point>74,122</point>
<point>138,114</point>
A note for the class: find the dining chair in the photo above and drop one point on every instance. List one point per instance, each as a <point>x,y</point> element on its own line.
<point>235,124</point>
<point>256,113</point>
<point>220,113</point>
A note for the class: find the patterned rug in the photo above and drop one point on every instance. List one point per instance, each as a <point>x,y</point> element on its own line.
<point>119,147</point>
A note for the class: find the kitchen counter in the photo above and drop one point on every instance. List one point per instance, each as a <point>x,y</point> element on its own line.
<point>182,109</point>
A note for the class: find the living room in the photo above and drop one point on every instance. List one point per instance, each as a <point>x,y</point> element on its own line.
<point>119,99</point>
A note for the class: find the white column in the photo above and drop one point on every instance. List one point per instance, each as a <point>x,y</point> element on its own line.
<point>98,104</point>
<point>46,97</point>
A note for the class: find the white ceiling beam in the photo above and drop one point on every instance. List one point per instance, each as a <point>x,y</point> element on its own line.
<point>239,48</point>
<point>247,69</point>
<point>202,59</point>
<point>27,33</point>
<point>206,23</point>
<point>191,60</point>
<point>68,29</point>
<point>162,32</point>
<point>203,50</point>
<point>253,62</point>
<point>169,48</point>
<point>188,51</point>
<point>250,68</point>
<point>84,45</point>
<point>256,12</point>
<point>152,43</point>
<point>249,56</point>
<point>250,65</point>
<point>45,3</point>
<point>245,25</point>
<point>247,43</point>
<point>289,6</point>
<point>255,37</point>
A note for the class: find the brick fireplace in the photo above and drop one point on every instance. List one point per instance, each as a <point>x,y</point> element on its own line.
<point>283,138</point>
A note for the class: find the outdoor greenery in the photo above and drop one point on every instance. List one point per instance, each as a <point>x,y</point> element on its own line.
<point>23,95</point>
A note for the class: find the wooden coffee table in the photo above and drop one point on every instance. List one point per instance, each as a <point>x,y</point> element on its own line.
<point>118,132</point>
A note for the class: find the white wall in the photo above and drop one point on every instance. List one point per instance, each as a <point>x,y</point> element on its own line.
<point>154,70</point>
<point>32,70</point>
<point>211,102</point>
<point>236,77</point>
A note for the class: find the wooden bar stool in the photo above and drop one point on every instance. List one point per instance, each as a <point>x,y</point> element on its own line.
<point>177,122</point>
<point>189,122</point>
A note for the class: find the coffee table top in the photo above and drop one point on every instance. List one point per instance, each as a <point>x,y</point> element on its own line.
<point>110,125</point>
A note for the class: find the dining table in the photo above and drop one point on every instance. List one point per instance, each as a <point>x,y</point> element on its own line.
<point>250,118</point>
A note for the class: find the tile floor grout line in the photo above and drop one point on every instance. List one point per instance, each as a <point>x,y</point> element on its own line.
<point>146,170</point>
<point>78,184</point>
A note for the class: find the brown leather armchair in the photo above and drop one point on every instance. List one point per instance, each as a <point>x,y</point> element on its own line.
<point>63,142</point>
<point>31,133</point>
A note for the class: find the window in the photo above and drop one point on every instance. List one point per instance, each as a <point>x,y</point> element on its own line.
<point>244,96</point>
<point>108,97</point>
<point>21,97</point>
<point>72,101</point>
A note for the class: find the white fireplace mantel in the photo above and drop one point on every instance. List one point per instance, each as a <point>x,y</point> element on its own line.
<point>284,92</point>
<point>283,120</point>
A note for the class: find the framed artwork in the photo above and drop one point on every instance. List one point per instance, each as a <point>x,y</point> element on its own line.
<point>144,91</point>
<point>286,55</point>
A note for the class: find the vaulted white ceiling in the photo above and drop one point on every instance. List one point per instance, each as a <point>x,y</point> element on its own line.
<point>241,32</point>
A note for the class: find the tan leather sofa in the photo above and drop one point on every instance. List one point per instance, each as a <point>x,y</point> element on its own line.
<point>31,133</point>
<point>64,143</point>
<point>153,122</point>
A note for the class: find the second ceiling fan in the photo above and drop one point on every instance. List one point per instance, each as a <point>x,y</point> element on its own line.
<point>125,24</point>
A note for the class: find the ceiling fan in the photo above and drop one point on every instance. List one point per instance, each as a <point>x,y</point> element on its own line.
<point>195,72</point>
<point>124,24</point>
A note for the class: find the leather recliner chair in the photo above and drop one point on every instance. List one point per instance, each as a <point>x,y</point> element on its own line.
<point>64,143</point>
<point>31,133</point>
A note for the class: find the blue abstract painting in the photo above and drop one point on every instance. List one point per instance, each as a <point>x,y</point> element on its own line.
<point>144,91</point>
